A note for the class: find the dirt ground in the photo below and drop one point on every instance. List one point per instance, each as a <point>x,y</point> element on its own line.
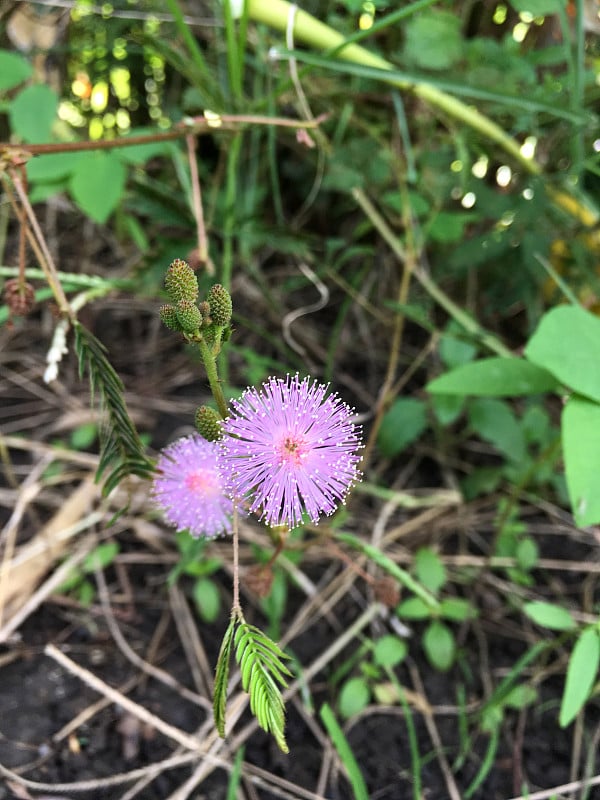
<point>113,700</point>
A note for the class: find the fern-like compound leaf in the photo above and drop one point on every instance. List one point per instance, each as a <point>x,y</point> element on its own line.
<point>222,677</point>
<point>121,450</point>
<point>263,675</point>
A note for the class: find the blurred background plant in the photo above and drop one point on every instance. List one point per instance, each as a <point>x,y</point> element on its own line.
<point>410,214</point>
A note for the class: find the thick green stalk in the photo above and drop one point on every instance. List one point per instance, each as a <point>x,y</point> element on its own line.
<point>308,30</point>
<point>213,378</point>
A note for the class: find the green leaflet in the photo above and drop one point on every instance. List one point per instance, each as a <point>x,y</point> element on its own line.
<point>263,673</point>
<point>222,677</point>
<point>121,450</point>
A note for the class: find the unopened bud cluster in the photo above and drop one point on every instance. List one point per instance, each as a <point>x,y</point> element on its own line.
<point>208,423</point>
<point>209,319</point>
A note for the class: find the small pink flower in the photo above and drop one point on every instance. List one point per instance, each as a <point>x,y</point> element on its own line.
<point>290,450</point>
<point>188,488</point>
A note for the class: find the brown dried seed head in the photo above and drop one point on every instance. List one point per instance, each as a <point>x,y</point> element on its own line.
<point>19,297</point>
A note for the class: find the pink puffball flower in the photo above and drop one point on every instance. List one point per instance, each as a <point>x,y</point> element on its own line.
<point>290,450</point>
<point>189,489</point>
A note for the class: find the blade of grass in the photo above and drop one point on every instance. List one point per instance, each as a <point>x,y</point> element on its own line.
<point>236,48</point>
<point>389,566</point>
<point>486,764</point>
<point>236,775</point>
<point>406,80</point>
<point>359,787</point>
<point>413,741</point>
<point>190,43</point>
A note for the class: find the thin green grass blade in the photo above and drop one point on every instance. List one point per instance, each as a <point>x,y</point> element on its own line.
<point>235,778</point>
<point>359,787</point>
<point>408,80</point>
<point>191,44</point>
<point>390,566</point>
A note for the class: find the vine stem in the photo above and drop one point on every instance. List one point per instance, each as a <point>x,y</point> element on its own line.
<point>192,125</point>
<point>470,325</point>
<point>191,144</point>
<point>37,242</point>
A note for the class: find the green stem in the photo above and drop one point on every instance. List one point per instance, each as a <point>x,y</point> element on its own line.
<point>311,31</point>
<point>386,563</point>
<point>210,366</point>
<point>465,320</point>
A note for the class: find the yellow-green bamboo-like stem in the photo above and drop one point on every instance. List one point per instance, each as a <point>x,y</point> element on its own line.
<point>308,30</point>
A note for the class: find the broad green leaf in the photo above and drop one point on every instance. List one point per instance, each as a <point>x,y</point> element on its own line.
<point>50,168</point>
<point>32,113</point>
<point>14,69</point>
<point>401,425</point>
<point>448,226</point>
<point>354,697</point>
<point>521,696</point>
<point>527,553</point>
<point>495,422</point>
<point>567,344</point>
<point>457,609</point>
<point>494,377</point>
<point>538,8</point>
<point>581,450</point>
<point>433,40</point>
<point>413,608</point>
<point>84,436</point>
<point>86,592</point>
<point>430,570</point>
<point>581,674</point>
<point>483,480</point>
<point>455,351</point>
<point>97,184</point>
<point>447,407</point>
<point>549,615</point>
<point>439,645</point>
<point>41,192</point>
<point>140,153</point>
<point>207,599</point>
<point>100,557</point>
<point>389,651</point>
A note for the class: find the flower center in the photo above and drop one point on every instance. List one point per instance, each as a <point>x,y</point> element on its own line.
<point>202,482</point>
<point>291,451</point>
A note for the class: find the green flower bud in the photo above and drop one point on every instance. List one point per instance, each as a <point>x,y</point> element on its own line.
<point>168,316</point>
<point>189,316</point>
<point>219,301</point>
<point>208,423</point>
<point>181,283</point>
<point>205,311</point>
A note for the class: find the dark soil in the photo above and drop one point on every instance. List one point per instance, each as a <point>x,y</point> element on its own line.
<point>38,697</point>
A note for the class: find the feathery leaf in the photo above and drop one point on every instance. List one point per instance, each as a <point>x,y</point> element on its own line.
<point>121,451</point>
<point>263,673</point>
<point>222,677</point>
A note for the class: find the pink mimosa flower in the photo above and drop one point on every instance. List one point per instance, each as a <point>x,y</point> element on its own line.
<point>290,450</point>
<point>189,490</point>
